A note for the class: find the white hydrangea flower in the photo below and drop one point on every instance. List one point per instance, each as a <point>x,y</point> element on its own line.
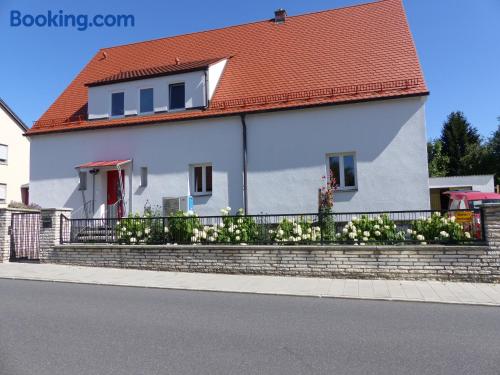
<point>133,240</point>
<point>147,230</point>
<point>366,234</point>
<point>376,226</point>
<point>139,234</point>
<point>237,231</point>
<point>365,238</point>
<point>467,235</point>
<point>377,233</point>
<point>231,229</point>
<point>281,232</point>
<point>452,219</point>
<point>352,235</point>
<point>228,209</point>
<point>211,239</point>
<point>165,229</point>
<point>409,231</point>
<point>345,230</point>
<point>240,220</point>
<point>129,233</point>
<point>237,238</point>
<point>420,237</point>
<point>195,231</point>
<point>354,218</point>
<point>193,239</point>
<point>204,235</point>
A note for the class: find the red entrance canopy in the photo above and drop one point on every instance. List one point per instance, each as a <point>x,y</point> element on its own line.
<point>104,163</point>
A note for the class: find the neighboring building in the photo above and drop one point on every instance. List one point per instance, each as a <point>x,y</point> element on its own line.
<point>14,157</point>
<point>438,185</point>
<point>247,116</point>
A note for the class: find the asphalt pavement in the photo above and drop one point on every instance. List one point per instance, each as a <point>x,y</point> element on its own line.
<point>58,328</point>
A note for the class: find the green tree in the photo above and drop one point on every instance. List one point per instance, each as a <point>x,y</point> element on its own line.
<point>438,161</point>
<point>460,140</point>
<point>493,158</point>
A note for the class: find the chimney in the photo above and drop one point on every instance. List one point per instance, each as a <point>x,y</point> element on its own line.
<point>280,15</point>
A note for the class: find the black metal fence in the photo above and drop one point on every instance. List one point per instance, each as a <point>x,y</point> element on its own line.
<point>450,227</point>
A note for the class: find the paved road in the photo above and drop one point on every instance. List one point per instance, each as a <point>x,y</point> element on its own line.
<point>55,328</point>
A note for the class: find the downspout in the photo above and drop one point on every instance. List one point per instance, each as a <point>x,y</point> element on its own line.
<point>245,164</point>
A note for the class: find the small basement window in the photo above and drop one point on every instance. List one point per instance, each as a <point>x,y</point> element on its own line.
<point>343,168</point>
<point>4,151</point>
<point>177,94</point>
<point>118,104</point>
<point>83,181</point>
<point>146,101</point>
<point>201,179</point>
<point>3,193</point>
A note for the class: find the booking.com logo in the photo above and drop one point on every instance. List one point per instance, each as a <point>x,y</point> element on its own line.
<point>80,21</point>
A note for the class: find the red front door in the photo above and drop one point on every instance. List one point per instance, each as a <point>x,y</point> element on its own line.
<point>114,191</point>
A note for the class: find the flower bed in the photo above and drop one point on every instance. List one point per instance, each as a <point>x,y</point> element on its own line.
<point>373,229</point>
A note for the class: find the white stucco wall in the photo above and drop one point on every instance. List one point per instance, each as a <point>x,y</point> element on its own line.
<point>484,183</point>
<point>16,172</point>
<point>286,159</point>
<point>100,96</point>
<point>214,73</point>
<point>287,156</point>
<point>167,151</point>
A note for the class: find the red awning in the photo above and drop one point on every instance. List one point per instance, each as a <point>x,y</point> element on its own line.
<point>104,163</point>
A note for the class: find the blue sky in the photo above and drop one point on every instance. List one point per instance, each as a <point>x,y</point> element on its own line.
<point>457,41</point>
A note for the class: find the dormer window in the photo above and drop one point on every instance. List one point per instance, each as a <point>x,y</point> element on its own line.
<point>146,99</point>
<point>117,104</point>
<point>177,96</point>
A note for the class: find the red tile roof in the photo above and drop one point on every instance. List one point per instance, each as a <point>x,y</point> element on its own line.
<point>357,53</point>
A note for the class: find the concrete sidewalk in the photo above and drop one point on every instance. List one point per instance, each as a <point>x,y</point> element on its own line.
<point>400,290</point>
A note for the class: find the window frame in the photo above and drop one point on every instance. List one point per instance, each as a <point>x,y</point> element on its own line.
<point>139,101</point>
<point>4,200</point>
<point>6,161</point>
<point>341,184</point>
<point>111,104</point>
<point>203,179</point>
<point>170,85</point>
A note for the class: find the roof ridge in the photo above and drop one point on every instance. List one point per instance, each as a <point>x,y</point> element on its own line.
<point>245,24</point>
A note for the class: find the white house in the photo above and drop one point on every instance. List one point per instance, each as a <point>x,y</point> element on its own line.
<point>14,157</point>
<point>247,116</point>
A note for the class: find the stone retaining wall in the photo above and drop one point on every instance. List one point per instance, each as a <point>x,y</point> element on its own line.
<point>471,263</point>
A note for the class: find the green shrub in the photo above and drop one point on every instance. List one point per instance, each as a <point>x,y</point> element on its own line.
<point>365,229</point>
<point>182,227</point>
<point>437,228</point>
<point>295,231</point>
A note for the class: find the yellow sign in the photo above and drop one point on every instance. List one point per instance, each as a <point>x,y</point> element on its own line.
<point>464,216</point>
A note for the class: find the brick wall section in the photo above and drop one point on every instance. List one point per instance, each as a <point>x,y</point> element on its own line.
<point>49,237</point>
<point>5,220</point>
<point>492,225</point>
<point>472,263</point>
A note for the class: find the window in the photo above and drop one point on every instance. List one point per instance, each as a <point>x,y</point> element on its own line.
<point>83,181</point>
<point>3,193</point>
<point>177,96</point>
<point>118,104</point>
<point>144,176</point>
<point>343,168</point>
<point>3,154</point>
<point>146,101</point>
<point>201,179</point>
